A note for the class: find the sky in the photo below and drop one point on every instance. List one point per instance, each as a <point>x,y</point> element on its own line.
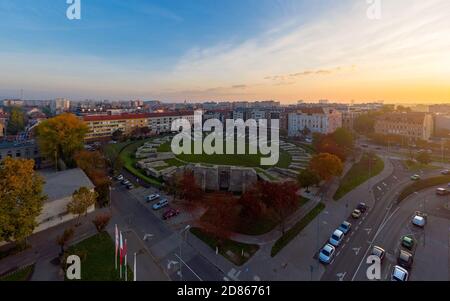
<point>201,50</point>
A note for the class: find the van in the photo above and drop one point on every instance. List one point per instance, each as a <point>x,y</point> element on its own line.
<point>442,191</point>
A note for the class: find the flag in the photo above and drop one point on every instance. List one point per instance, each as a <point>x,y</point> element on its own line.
<point>134,268</point>
<point>117,244</point>
<point>125,255</point>
<point>121,254</point>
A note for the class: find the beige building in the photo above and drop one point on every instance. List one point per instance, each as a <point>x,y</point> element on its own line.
<point>410,125</point>
<point>103,126</point>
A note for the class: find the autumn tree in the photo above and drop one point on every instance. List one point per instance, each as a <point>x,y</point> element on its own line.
<point>64,238</point>
<point>61,137</point>
<point>101,221</point>
<point>220,220</point>
<point>306,178</point>
<point>285,202</point>
<point>16,121</point>
<point>343,138</point>
<point>424,158</point>
<point>87,160</point>
<point>252,206</point>
<point>21,199</point>
<point>364,124</point>
<point>326,166</point>
<point>82,199</point>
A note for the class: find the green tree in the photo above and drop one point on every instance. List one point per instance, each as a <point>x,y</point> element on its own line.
<point>82,199</point>
<point>307,178</point>
<point>326,166</point>
<point>61,137</point>
<point>343,138</point>
<point>16,121</point>
<point>21,199</point>
<point>424,158</point>
<point>364,124</point>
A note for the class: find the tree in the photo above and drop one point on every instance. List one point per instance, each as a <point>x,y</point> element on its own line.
<point>117,135</point>
<point>89,160</point>
<point>343,138</point>
<point>326,166</point>
<point>101,221</point>
<point>82,199</point>
<point>184,186</point>
<point>16,121</point>
<point>307,178</point>
<point>252,206</point>
<point>63,239</point>
<point>21,199</point>
<point>364,124</point>
<point>221,219</point>
<point>61,137</point>
<point>424,158</point>
<point>285,202</point>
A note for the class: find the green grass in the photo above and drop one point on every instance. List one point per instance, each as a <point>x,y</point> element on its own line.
<point>225,245</point>
<point>296,229</point>
<point>416,166</point>
<point>422,184</point>
<point>23,274</point>
<point>97,259</point>
<point>359,173</point>
<point>246,160</point>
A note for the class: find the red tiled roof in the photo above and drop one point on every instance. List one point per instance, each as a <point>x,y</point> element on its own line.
<point>135,116</point>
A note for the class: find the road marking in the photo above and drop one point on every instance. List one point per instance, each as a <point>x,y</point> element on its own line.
<point>325,223</point>
<point>341,276</point>
<point>171,263</point>
<point>368,230</point>
<point>337,254</point>
<point>356,250</point>
<point>185,264</point>
<point>379,188</point>
<point>147,236</point>
<point>385,185</point>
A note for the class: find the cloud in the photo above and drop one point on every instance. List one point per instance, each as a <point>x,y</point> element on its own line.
<point>304,73</point>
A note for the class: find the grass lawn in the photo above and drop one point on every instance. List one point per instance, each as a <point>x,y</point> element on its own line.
<point>236,252</point>
<point>369,166</point>
<point>416,166</point>
<point>97,259</point>
<point>246,160</point>
<point>296,229</point>
<point>23,274</point>
<point>422,184</point>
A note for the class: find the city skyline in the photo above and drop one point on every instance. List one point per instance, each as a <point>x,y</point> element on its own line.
<point>200,51</point>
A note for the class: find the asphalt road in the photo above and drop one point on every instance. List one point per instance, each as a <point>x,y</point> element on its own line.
<point>357,244</point>
<point>162,240</point>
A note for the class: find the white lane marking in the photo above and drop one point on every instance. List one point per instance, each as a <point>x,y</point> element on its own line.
<point>341,276</point>
<point>368,230</point>
<point>356,250</point>
<point>379,188</point>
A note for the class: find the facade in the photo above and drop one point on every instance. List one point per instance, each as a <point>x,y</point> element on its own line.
<point>3,123</point>
<point>412,125</point>
<point>442,123</point>
<point>25,150</point>
<point>103,126</point>
<point>60,105</point>
<point>13,103</point>
<point>317,120</point>
<point>59,187</point>
<point>349,117</point>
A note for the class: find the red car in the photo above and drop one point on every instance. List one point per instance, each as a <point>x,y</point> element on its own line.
<point>170,213</point>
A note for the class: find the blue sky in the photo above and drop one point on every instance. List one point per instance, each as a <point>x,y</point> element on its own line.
<point>196,49</point>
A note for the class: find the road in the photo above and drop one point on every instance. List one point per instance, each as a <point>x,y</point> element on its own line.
<point>161,239</point>
<point>357,244</point>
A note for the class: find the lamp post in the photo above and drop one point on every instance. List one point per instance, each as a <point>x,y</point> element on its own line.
<point>181,241</point>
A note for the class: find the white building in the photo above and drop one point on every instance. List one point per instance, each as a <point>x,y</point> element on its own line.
<point>317,120</point>
<point>60,105</point>
<point>59,188</point>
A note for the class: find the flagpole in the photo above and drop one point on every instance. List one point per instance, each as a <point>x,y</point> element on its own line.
<point>134,268</point>
<point>121,254</point>
<point>126,268</point>
<point>116,236</point>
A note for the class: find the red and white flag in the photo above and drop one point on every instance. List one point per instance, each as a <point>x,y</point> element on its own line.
<point>121,253</point>
<point>117,244</point>
<point>125,253</point>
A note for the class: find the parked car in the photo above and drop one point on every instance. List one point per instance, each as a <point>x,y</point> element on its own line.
<point>445,172</point>
<point>161,204</point>
<point>356,214</point>
<point>362,207</point>
<point>336,238</point>
<point>419,220</point>
<point>405,259</point>
<point>399,274</point>
<point>442,191</point>
<point>125,182</point>
<point>408,242</point>
<point>327,253</point>
<point>415,177</point>
<point>345,227</point>
<point>130,186</point>
<point>119,178</point>
<point>170,213</point>
<point>379,252</point>
<point>152,197</point>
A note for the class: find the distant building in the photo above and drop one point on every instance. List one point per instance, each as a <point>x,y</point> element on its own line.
<point>103,126</point>
<point>59,188</point>
<point>13,103</point>
<point>3,123</point>
<point>442,123</point>
<point>349,117</point>
<point>316,119</point>
<point>25,150</point>
<point>412,125</point>
<point>60,105</point>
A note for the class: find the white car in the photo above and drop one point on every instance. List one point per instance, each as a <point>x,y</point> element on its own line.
<point>336,238</point>
<point>119,178</point>
<point>419,221</point>
<point>399,274</point>
<point>152,197</point>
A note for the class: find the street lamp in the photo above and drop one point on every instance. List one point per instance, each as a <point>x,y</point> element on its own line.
<point>181,241</point>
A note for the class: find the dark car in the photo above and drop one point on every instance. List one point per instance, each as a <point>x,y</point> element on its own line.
<point>408,242</point>
<point>170,213</point>
<point>405,259</point>
<point>362,207</point>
